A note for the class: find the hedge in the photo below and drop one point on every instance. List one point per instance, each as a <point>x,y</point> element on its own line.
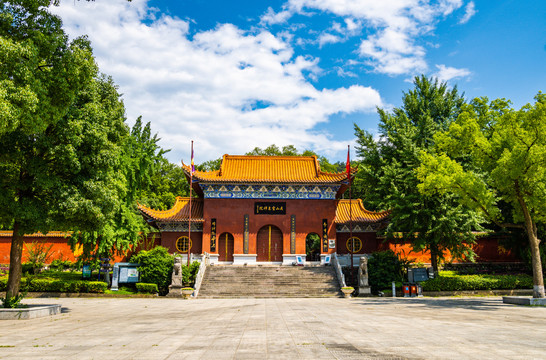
<point>53,285</point>
<point>147,288</point>
<point>478,282</point>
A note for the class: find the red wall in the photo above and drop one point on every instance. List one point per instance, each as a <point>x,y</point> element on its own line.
<point>168,240</point>
<point>60,249</point>
<point>229,215</point>
<point>486,249</point>
<point>370,243</point>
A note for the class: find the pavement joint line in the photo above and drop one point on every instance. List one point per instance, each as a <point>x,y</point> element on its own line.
<point>279,328</point>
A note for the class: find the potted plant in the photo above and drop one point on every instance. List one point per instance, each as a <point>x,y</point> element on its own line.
<point>347,291</point>
<point>187,291</point>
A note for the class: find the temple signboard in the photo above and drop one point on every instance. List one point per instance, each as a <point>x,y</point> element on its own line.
<point>270,208</point>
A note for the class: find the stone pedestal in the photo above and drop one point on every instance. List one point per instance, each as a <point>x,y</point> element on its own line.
<point>363,285</point>
<point>175,289</point>
<point>242,259</point>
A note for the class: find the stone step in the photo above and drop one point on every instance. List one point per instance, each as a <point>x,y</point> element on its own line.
<point>228,281</point>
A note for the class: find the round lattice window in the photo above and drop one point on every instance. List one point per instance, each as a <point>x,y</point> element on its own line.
<point>182,244</point>
<point>355,244</point>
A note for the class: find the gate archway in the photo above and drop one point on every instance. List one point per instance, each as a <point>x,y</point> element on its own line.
<point>312,247</point>
<point>269,244</point>
<point>225,247</point>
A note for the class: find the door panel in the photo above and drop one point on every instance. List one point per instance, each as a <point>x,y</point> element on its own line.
<point>225,247</point>
<point>269,244</point>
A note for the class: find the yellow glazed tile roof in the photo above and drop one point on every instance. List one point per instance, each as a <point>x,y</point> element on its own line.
<point>178,213</point>
<point>269,169</point>
<point>57,234</point>
<point>359,213</point>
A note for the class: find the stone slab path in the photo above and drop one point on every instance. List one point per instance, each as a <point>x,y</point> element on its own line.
<point>329,328</point>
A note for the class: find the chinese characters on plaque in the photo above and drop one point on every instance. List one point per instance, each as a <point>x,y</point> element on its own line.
<point>325,235</point>
<point>245,235</point>
<point>270,208</point>
<point>213,235</point>
<point>292,234</point>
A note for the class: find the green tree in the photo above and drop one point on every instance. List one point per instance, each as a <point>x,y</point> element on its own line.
<point>40,76</point>
<point>388,179</point>
<point>290,150</point>
<point>273,150</point>
<point>139,158</point>
<point>494,154</point>
<point>40,72</point>
<point>167,182</point>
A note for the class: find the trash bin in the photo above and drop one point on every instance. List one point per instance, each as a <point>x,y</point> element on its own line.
<point>406,290</point>
<point>419,290</point>
<point>413,290</point>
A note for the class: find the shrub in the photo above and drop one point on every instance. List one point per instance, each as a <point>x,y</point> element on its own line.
<point>61,265</point>
<point>478,282</point>
<point>58,285</point>
<point>27,268</point>
<point>156,267</point>
<point>194,269</point>
<point>147,288</point>
<point>38,253</point>
<point>384,267</point>
<point>95,286</point>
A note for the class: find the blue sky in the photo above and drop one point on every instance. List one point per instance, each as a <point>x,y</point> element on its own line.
<point>239,74</point>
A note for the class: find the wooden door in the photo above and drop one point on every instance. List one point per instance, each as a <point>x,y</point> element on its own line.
<point>225,247</point>
<point>269,244</point>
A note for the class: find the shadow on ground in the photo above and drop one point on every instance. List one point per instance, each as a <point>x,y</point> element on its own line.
<point>463,303</point>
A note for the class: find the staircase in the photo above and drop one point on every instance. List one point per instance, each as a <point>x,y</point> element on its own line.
<point>269,282</point>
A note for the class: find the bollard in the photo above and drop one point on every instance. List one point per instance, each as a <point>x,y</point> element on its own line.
<point>393,289</point>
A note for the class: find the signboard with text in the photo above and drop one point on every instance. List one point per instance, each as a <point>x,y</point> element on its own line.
<point>270,208</point>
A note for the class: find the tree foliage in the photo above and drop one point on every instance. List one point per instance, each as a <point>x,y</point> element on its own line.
<point>387,178</point>
<point>492,155</point>
<point>40,71</point>
<point>64,159</point>
<point>156,267</point>
<point>290,150</point>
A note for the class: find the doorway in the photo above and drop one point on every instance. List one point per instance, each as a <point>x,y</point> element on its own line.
<point>312,247</point>
<point>269,244</point>
<point>225,247</point>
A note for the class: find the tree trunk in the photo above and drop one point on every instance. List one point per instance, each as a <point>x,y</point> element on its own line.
<point>15,260</point>
<point>530,228</point>
<point>538,279</point>
<point>434,258</point>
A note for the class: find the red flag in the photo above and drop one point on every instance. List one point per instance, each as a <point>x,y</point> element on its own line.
<point>348,163</point>
<point>192,164</point>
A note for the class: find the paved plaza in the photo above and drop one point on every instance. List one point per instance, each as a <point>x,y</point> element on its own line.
<point>330,328</point>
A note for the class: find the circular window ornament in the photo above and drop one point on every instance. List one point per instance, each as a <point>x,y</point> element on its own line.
<point>182,244</point>
<point>356,242</point>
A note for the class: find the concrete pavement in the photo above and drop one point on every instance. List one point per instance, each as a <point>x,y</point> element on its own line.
<point>330,328</point>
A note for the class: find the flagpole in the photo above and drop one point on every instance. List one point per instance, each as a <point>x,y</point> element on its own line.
<point>189,217</point>
<point>350,206</point>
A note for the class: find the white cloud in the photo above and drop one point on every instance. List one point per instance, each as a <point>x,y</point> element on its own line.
<point>395,27</point>
<point>271,17</point>
<point>394,53</point>
<point>327,38</point>
<point>446,73</point>
<point>227,89</point>
<point>470,10</point>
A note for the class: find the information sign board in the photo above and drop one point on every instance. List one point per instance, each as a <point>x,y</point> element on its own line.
<point>86,271</point>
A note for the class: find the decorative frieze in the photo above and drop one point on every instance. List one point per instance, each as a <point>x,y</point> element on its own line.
<point>179,226</point>
<point>262,191</point>
<point>360,227</point>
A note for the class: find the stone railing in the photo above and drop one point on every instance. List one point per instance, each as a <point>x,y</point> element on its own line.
<point>339,273</point>
<point>205,261</point>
